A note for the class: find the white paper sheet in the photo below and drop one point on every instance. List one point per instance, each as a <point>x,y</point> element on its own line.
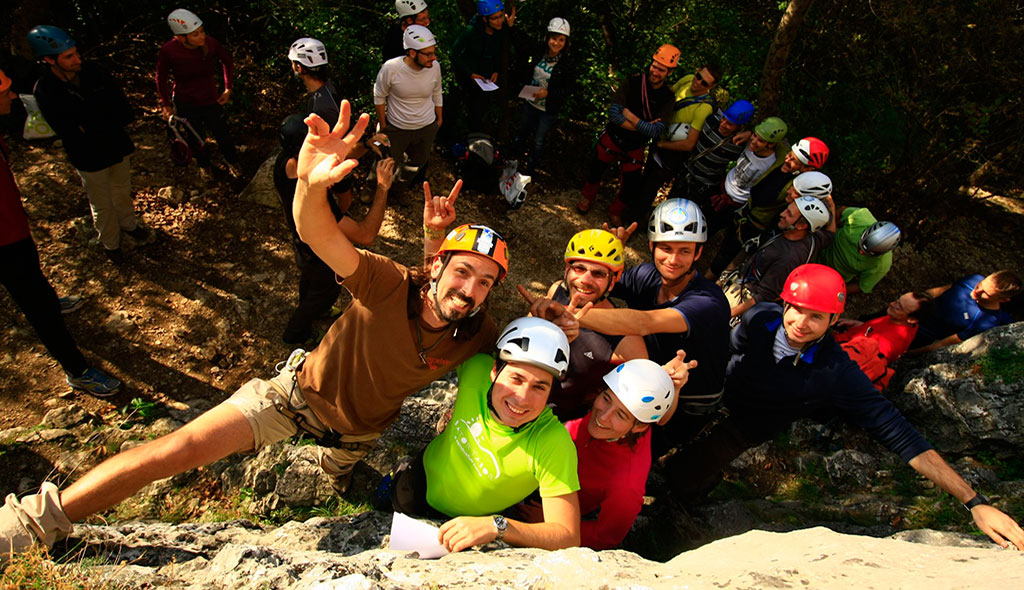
<point>409,534</point>
<point>485,85</point>
<point>528,92</point>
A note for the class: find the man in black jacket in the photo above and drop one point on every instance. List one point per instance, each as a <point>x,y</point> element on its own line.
<point>89,111</point>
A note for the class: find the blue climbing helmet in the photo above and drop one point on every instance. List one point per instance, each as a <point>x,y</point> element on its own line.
<point>49,40</point>
<point>740,112</point>
<point>489,7</point>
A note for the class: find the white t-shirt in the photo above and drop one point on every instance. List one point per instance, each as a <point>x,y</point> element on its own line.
<point>410,94</point>
<point>749,167</point>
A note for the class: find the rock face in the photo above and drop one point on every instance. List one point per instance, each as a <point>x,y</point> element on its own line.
<point>949,397</point>
<point>327,553</point>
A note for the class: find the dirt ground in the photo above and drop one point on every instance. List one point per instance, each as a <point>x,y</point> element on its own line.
<point>201,310</point>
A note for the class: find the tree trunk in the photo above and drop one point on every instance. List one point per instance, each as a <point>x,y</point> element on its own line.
<point>775,64</point>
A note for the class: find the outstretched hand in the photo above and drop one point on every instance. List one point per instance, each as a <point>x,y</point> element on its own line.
<point>623,233</point>
<point>679,369</point>
<point>385,173</point>
<point>566,317</point>
<point>439,211</point>
<point>323,157</point>
<point>998,526</point>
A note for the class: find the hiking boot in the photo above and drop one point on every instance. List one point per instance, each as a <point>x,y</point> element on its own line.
<point>95,382</point>
<point>70,303</point>
<point>141,234</point>
<point>116,255</point>
<point>340,483</point>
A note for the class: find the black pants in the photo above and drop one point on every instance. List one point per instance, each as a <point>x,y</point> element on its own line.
<point>21,275</point>
<point>210,118</point>
<point>318,290</point>
<point>696,468</point>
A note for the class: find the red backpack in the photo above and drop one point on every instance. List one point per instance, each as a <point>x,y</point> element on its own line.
<point>864,352</point>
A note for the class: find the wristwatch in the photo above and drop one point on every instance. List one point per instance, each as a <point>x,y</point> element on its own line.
<point>501,524</point>
<point>977,500</point>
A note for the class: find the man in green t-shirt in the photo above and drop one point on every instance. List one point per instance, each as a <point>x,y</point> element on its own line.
<point>862,249</point>
<point>501,444</point>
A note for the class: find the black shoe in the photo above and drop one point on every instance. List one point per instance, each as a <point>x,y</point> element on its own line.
<point>141,235</point>
<point>116,256</point>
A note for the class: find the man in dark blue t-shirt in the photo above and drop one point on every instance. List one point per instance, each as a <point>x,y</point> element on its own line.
<point>966,308</point>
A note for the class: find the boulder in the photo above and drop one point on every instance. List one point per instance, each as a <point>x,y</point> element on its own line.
<point>307,555</point>
<point>261,188</point>
<point>953,402</point>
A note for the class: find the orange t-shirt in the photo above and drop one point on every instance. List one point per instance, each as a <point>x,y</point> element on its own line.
<point>369,361</point>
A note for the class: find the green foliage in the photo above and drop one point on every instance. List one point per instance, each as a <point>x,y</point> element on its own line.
<point>1006,364</point>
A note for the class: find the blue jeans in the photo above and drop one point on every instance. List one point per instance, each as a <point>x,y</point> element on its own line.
<point>539,123</point>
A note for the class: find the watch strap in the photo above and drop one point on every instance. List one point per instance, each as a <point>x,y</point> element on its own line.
<point>977,500</point>
<point>501,524</point>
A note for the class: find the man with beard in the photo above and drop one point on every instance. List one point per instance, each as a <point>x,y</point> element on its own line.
<point>405,328</point>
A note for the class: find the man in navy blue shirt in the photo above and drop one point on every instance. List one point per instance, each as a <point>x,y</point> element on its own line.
<point>966,308</point>
<point>785,365</point>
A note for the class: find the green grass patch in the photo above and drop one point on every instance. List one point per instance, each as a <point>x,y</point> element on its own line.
<point>1005,363</point>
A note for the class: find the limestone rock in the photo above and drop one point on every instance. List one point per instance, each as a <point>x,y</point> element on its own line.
<point>64,417</point>
<point>947,396</point>
<point>261,188</point>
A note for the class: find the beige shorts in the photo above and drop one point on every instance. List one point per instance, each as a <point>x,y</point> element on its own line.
<point>258,401</point>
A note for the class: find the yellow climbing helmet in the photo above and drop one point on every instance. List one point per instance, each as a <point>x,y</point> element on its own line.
<point>597,245</point>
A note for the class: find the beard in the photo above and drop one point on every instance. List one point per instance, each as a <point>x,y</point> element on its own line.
<point>452,316</point>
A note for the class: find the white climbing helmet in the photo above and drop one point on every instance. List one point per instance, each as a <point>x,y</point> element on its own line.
<point>559,25</point>
<point>677,131</point>
<point>813,184</point>
<point>644,387</point>
<point>308,52</point>
<point>677,220</point>
<point>417,37</point>
<point>183,22</point>
<point>814,211</point>
<point>535,342</point>
<point>409,7</point>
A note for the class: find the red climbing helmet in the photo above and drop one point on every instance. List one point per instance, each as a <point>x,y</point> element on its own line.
<point>811,151</point>
<point>817,287</point>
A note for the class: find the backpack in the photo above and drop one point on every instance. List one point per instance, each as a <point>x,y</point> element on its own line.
<point>478,163</point>
<point>864,351</point>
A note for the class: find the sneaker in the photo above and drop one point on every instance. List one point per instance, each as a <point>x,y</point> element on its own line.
<point>70,303</point>
<point>334,313</point>
<point>95,382</point>
<point>116,255</point>
<point>307,344</point>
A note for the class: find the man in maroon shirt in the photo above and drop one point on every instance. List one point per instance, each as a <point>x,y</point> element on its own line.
<point>23,278</point>
<point>193,59</point>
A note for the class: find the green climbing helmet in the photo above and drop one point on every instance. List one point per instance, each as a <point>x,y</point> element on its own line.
<point>772,129</point>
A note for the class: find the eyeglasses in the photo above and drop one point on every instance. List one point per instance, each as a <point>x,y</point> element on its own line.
<point>430,54</point>
<point>701,79</point>
<point>599,273</point>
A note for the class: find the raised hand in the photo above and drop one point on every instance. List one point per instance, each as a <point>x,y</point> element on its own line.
<point>385,173</point>
<point>323,157</point>
<point>679,369</point>
<point>566,317</point>
<point>623,233</point>
<point>439,211</point>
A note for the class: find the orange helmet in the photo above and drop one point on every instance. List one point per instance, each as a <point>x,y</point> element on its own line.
<point>5,82</point>
<point>667,55</point>
<point>478,239</point>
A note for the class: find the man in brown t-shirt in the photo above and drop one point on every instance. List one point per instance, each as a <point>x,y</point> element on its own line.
<point>405,328</point>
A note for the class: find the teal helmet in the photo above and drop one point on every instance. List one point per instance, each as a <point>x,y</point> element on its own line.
<point>49,40</point>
